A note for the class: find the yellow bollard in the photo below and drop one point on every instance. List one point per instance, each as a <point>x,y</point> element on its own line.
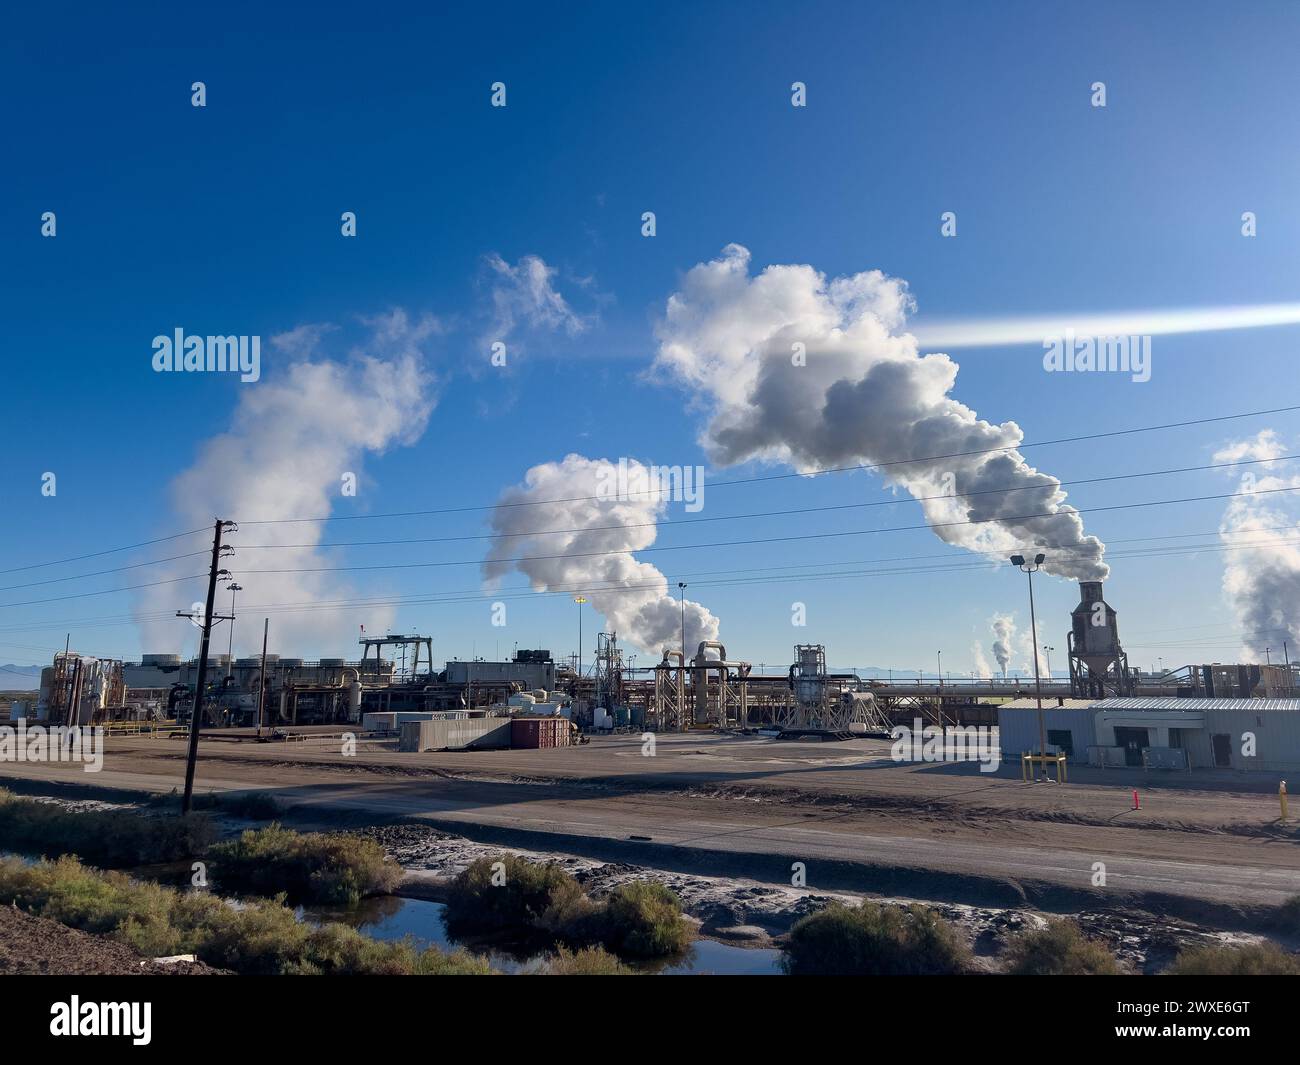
<point>1281,797</point>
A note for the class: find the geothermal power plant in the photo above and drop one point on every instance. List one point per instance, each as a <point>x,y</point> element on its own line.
<point>1104,713</point>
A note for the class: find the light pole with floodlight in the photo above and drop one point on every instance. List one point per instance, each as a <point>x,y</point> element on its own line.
<point>1029,567</point>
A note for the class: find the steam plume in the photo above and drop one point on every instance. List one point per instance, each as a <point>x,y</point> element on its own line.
<point>634,596</point>
<point>292,438</point>
<point>1004,639</point>
<point>816,373</point>
<point>1261,580</point>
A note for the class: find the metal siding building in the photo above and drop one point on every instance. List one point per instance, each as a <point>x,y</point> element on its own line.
<point>1215,733</point>
<point>531,675</point>
<point>1018,727</point>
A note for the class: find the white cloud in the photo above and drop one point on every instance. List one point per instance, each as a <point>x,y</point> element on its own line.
<point>525,295</point>
<point>1264,446</point>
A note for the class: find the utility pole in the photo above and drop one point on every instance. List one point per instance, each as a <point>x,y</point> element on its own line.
<point>196,718</point>
<point>261,681</point>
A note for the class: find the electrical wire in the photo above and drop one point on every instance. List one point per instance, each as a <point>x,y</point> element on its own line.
<point>807,473</point>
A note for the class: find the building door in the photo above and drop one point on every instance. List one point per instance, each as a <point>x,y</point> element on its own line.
<point>1134,741</point>
<point>1222,750</point>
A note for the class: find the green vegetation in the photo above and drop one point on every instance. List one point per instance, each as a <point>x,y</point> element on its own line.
<point>1254,959</point>
<point>1060,949</point>
<point>589,961</point>
<point>311,867</point>
<point>113,838</point>
<point>643,919</point>
<point>540,900</point>
<point>510,894</point>
<point>874,940</point>
<point>263,937</point>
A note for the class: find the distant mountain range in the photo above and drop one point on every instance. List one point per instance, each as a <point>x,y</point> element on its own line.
<point>19,678</point>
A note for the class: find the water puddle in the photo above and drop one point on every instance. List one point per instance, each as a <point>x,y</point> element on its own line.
<point>390,918</point>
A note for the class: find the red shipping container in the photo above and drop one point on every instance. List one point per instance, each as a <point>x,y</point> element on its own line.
<point>534,733</point>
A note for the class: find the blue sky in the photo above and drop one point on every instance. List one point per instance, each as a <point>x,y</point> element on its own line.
<point>225,219</point>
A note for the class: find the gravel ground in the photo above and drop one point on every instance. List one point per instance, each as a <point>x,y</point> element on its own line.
<point>36,946</point>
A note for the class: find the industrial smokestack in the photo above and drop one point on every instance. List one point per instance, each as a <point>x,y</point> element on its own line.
<point>1098,665</point>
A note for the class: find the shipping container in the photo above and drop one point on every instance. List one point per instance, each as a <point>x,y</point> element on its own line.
<point>533,733</point>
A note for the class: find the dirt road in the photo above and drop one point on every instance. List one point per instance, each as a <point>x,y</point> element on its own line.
<point>722,805</point>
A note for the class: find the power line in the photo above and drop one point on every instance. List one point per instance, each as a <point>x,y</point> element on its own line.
<point>525,592</point>
<point>776,539</point>
<point>793,511</point>
<point>104,591</point>
<point>97,554</point>
<point>694,521</point>
<point>808,473</point>
<point>101,572</point>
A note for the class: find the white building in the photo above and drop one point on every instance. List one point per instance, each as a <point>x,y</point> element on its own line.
<point>1164,732</point>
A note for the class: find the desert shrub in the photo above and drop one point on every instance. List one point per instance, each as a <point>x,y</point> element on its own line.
<point>642,919</point>
<point>527,897</point>
<point>112,838</point>
<point>541,901</point>
<point>1254,959</point>
<point>262,937</point>
<point>588,961</point>
<point>313,866</point>
<point>874,940</point>
<point>1060,949</point>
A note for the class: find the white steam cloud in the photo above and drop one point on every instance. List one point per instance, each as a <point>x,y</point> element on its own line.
<point>816,373</point>
<point>292,438</point>
<point>1261,576</point>
<point>1004,639</point>
<point>596,558</point>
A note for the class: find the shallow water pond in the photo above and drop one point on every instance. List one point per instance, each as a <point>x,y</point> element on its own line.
<point>390,917</point>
